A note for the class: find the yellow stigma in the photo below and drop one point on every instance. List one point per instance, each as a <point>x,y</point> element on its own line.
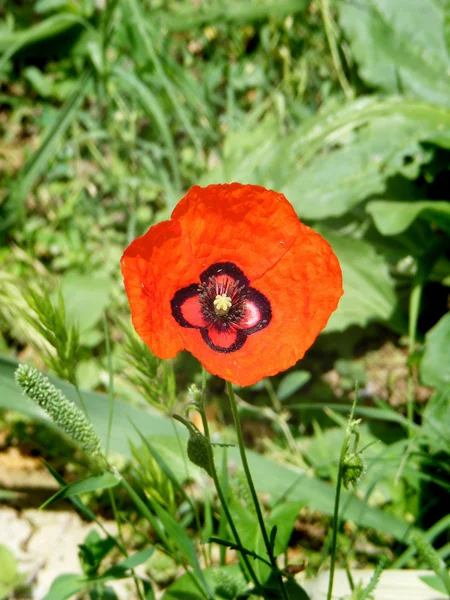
<point>222,304</point>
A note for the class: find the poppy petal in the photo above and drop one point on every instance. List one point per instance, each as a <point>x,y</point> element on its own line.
<point>223,341</point>
<point>154,267</point>
<point>303,289</point>
<point>244,224</point>
<point>258,312</point>
<point>190,308</point>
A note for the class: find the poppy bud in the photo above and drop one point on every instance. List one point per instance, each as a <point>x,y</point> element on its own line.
<point>198,451</point>
<point>195,395</point>
<point>353,469</point>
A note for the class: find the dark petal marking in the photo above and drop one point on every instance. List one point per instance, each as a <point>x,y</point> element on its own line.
<point>234,324</point>
<point>177,302</point>
<point>224,268</point>
<point>240,341</point>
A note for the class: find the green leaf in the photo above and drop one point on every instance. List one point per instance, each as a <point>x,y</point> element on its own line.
<point>292,382</point>
<point>65,586</point>
<point>400,45</point>
<point>178,535</point>
<point>435,582</point>
<point>86,298</point>
<point>435,418</point>
<point>282,516</point>
<point>92,552</point>
<point>41,84</point>
<point>368,288</point>
<point>435,365</point>
<point>130,563</point>
<point>392,218</point>
<point>92,483</point>
<point>8,571</point>
<point>337,159</point>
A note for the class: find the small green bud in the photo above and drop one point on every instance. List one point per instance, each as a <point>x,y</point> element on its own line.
<point>198,451</point>
<point>353,469</point>
<point>61,411</point>
<point>195,395</point>
<point>353,425</point>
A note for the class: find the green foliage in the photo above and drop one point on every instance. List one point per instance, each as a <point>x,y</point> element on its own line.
<point>92,483</point>
<point>435,366</point>
<point>432,559</point>
<point>400,46</point>
<point>50,321</point>
<point>109,112</point>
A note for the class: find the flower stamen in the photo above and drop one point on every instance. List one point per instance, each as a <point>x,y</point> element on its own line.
<point>222,304</point>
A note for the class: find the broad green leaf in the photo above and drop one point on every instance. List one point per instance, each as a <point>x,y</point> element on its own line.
<point>292,382</point>
<point>368,288</point>
<point>337,159</point>
<point>392,218</point>
<point>400,46</point>
<point>435,365</point>
<point>355,165</point>
<point>65,586</point>
<point>92,483</point>
<point>86,297</point>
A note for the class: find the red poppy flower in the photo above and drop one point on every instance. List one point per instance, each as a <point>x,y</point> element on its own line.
<point>235,278</point>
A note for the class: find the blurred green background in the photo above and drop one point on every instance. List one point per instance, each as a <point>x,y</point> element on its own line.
<point>111,109</point>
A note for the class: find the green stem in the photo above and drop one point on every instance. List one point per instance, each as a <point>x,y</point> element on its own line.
<point>414,309</point>
<point>218,487</point>
<point>337,497</point>
<point>237,422</point>
<point>337,500</point>
<point>110,385</point>
<point>122,541</point>
<point>80,398</point>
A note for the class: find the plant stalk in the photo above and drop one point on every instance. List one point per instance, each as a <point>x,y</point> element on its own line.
<point>237,422</point>
<point>215,477</point>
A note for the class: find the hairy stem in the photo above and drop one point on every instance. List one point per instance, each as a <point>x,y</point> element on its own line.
<point>237,422</point>
<point>220,493</point>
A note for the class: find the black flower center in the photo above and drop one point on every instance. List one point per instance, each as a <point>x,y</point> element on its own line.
<point>224,307</point>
